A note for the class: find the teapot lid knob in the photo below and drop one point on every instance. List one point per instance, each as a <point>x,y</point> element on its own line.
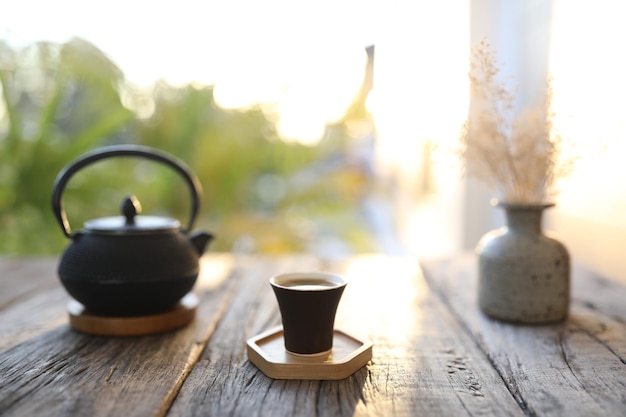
<point>130,208</point>
<point>130,222</point>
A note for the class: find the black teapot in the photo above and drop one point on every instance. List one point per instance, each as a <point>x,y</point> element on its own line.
<point>131,264</point>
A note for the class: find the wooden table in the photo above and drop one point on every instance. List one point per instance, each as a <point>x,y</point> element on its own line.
<point>434,353</point>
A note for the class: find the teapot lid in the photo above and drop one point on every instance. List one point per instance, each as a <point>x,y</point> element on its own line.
<point>130,222</point>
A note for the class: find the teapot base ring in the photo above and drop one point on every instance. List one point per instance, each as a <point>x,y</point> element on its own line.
<point>178,316</point>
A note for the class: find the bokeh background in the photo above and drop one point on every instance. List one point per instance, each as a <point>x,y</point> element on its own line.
<point>325,126</point>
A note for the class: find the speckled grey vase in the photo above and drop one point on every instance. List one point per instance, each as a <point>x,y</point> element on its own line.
<point>524,275</point>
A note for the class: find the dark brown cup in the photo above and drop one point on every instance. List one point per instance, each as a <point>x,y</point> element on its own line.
<point>308,302</point>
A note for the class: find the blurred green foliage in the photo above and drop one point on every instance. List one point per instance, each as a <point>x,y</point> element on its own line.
<point>260,193</point>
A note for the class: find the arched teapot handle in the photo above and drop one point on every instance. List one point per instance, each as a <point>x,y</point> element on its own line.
<point>123,150</point>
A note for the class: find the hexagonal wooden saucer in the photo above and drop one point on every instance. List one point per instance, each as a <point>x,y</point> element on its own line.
<point>267,351</point>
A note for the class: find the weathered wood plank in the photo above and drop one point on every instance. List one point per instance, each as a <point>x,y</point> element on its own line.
<point>42,311</point>
<point>224,381</point>
<point>61,372</point>
<point>598,293</point>
<point>31,299</point>
<point>575,368</point>
<point>423,362</point>
<point>20,278</point>
<point>434,352</point>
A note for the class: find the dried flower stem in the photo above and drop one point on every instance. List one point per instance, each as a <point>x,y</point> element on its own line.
<point>517,155</point>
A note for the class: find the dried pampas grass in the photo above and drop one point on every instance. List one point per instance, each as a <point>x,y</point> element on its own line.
<point>519,156</point>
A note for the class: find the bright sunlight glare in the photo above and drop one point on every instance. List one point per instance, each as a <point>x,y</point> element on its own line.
<point>597,123</point>
<point>304,61</point>
<point>420,86</point>
<point>419,103</point>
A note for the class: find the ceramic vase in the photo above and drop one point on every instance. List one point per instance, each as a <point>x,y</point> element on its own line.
<point>524,275</point>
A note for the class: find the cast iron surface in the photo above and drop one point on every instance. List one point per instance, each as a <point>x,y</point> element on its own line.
<point>129,273</point>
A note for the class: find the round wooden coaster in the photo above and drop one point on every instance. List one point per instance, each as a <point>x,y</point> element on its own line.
<point>179,316</point>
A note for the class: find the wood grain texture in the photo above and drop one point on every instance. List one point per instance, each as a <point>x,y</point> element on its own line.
<point>422,365</point>
<point>62,372</point>
<point>31,300</point>
<point>575,368</point>
<point>434,353</point>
